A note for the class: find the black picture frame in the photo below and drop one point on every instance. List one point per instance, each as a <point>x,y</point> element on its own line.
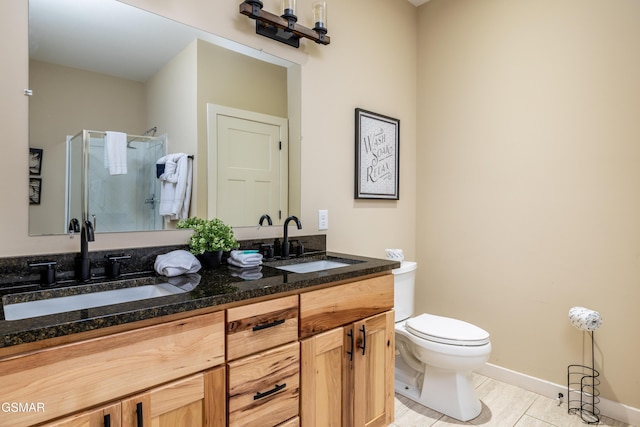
<point>377,168</point>
<point>35,190</point>
<point>35,161</point>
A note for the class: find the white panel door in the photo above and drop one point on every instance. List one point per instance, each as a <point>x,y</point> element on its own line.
<point>250,166</point>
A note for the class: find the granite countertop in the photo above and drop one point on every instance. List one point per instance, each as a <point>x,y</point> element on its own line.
<point>216,287</point>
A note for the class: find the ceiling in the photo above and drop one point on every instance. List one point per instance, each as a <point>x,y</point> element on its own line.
<point>418,2</point>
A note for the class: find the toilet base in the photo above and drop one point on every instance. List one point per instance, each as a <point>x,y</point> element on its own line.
<point>448,392</point>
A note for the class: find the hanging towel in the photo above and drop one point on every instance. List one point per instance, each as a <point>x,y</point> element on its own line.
<point>175,185</point>
<point>176,263</point>
<point>115,152</point>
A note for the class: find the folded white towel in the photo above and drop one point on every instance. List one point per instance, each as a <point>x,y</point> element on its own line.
<point>176,263</point>
<point>175,185</point>
<point>115,152</point>
<point>244,260</point>
<point>243,264</point>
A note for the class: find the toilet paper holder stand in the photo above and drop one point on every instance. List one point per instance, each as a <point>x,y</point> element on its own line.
<point>582,390</point>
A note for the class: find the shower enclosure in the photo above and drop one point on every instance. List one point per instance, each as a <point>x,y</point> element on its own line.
<point>114,203</point>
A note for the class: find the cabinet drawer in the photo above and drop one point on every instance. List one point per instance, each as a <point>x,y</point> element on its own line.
<point>71,377</point>
<point>256,327</point>
<point>264,388</point>
<point>328,308</point>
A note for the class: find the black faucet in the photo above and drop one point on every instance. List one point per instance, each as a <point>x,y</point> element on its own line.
<point>83,263</point>
<point>285,242</point>
<point>267,217</point>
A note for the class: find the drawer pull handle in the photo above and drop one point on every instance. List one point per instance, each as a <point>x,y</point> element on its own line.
<point>107,420</point>
<point>276,389</point>
<point>363,347</point>
<point>350,352</point>
<point>268,325</point>
<point>139,414</point>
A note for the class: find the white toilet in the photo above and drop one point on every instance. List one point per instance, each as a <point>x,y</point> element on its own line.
<point>435,355</point>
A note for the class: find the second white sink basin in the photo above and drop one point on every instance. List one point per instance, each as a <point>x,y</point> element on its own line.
<point>310,267</point>
<point>43,307</point>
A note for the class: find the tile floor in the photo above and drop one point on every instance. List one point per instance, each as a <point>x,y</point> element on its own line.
<point>503,405</point>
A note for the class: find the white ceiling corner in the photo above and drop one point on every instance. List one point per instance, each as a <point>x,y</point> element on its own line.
<point>418,2</point>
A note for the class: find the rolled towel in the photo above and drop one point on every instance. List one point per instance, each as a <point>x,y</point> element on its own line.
<point>585,319</point>
<point>245,259</point>
<point>176,263</point>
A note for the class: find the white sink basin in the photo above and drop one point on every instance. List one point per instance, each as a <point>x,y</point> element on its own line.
<point>25,310</point>
<point>310,267</point>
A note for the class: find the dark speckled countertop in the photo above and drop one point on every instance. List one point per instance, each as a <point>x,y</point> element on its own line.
<point>216,288</point>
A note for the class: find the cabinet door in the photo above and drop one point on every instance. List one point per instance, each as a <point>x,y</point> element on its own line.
<point>107,416</point>
<point>373,371</point>
<point>197,401</point>
<point>347,375</point>
<point>325,366</point>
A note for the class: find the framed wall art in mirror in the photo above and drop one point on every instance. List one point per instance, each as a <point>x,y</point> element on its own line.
<point>35,161</point>
<point>35,189</point>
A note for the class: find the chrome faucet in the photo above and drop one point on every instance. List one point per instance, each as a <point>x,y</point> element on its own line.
<point>83,263</point>
<point>285,242</point>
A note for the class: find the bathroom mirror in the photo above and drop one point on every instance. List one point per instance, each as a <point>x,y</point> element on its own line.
<point>105,65</point>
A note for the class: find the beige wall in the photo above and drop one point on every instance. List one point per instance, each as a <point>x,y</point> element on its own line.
<point>529,181</point>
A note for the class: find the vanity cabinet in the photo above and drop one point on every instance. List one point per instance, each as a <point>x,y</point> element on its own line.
<point>347,371</point>
<point>310,358</point>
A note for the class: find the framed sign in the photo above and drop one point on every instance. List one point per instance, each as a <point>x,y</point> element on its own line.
<point>377,156</point>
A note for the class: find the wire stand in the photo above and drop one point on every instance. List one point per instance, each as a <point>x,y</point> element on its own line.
<point>582,390</point>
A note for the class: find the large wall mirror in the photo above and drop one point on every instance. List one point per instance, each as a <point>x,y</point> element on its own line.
<point>103,65</point>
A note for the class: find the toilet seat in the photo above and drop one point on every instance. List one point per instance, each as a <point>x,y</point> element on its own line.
<point>445,330</point>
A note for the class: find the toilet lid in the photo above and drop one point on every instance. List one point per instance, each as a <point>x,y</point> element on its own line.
<point>446,330</point>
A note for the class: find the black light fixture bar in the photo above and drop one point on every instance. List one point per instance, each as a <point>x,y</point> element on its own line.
<point>279,28</point>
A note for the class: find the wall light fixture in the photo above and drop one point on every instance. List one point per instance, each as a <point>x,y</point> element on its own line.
<point>285,28</point>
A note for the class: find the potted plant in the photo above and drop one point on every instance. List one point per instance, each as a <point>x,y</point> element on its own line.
<point>210,238</point>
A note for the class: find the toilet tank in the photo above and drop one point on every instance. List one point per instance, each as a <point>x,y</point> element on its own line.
<point>404,284</point>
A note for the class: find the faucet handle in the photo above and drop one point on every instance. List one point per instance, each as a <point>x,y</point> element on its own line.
<point>267,250</point>
<point>47,274</point>
<point>112,268</point>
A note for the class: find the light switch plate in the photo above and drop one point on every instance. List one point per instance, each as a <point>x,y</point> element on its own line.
<point>323,219</point>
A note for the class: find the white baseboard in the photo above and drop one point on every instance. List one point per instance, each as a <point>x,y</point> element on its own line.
<point>608,408</point>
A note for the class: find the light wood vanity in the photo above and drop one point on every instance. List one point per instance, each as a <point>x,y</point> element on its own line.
<point>317,356</point>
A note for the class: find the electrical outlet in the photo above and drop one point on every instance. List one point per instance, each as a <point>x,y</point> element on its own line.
<point>323,219</point>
